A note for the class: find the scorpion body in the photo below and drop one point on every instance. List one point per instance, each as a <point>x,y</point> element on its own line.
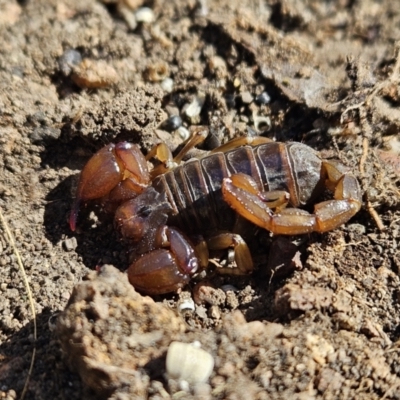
<point>194,189</point>
<point>262,181</point>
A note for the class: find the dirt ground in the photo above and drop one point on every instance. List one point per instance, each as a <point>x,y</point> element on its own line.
<point>319,318</point>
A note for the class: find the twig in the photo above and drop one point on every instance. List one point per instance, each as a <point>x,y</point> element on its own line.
<point>371,210</point>
<point>29,293</point>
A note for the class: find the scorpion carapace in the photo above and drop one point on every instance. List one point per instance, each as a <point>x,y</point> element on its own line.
<point>260,180</point>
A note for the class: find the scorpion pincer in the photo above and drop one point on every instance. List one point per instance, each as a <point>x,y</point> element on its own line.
<point>262,181</point>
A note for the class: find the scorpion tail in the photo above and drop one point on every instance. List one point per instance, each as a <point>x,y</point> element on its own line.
<point>74,214</point>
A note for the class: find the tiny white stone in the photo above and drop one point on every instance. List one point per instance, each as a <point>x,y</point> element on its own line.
<point>145,14</point>
<point>184,386</point>
<point>229,288</point>
<point>194,108</point>
<point>183,133</point>
<point>167,85</point>
<point>186,362</point>
<point>186,304</point>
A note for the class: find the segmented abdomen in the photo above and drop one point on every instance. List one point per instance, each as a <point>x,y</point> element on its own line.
<point>194,188</point>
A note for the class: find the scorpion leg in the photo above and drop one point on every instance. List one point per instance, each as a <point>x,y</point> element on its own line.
<point>241,141</point>
<point>243,257</point>
<point>276,199</point>
<point>167,268</point>
<point>163,153</point>
<point>347,198</point>
<point>328,215</point>
<point>251,205</point>
<point>198,136</point>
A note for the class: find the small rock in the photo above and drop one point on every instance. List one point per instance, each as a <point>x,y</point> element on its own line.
<point>358,229</point>
<point>172,123</point>
<point>189,363</point>
<point>183,133</point>
<point>193,109</point>
<point>167,85</point>
<point>70,244</point>
<point>204,293</point>
<point>201,312</point>
<point>145,15</point>
<point>186,304</point>
<point>263,98</point>
<point>247,98</point>
<point>215,312</point>
<point>70,59</point>
<point>94,74</point>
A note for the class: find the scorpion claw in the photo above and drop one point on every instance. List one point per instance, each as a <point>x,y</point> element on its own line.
<point>157,273</point>
<point>164,270</point>
<point>107,168</point>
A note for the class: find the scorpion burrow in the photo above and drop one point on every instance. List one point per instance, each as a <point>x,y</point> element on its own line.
<point>174,214</point>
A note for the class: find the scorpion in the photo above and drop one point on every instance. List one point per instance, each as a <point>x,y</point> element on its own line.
<point>251,178</point>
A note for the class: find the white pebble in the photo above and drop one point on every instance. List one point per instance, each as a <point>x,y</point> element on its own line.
<point>193,109</point>
<point>188,363</point>
<point>145,14</point>
<point>184,386</point>
<point>229,288</point>
<point>167,85</point>
<point>183,133</point>
<point>186,305</point>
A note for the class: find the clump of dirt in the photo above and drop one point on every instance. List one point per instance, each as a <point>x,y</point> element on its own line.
<point>76,75</point>
<point>134,115</point>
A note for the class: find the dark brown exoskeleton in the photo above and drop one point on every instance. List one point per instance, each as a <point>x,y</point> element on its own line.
<point>263,181</point>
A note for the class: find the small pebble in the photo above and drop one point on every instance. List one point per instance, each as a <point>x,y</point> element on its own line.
<point>263,98</point>
<point>193,109</point>
<point>188,363</point>
<point>183,133</point>
<point>201,312</point>
<point>68,60</point>
<point>70,244</point>
<point>172,123</point>
<point>145,14</point>
<point>229,288</point>
<point>247,98</point>
<point>184,387</point>
<point>186,305</point>
<point>356,228</point>
<point>214,312</point>
<point>167,85</point>
<point>94,74</point>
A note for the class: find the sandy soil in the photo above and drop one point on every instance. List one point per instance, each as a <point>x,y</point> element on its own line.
<point>75,75</point>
